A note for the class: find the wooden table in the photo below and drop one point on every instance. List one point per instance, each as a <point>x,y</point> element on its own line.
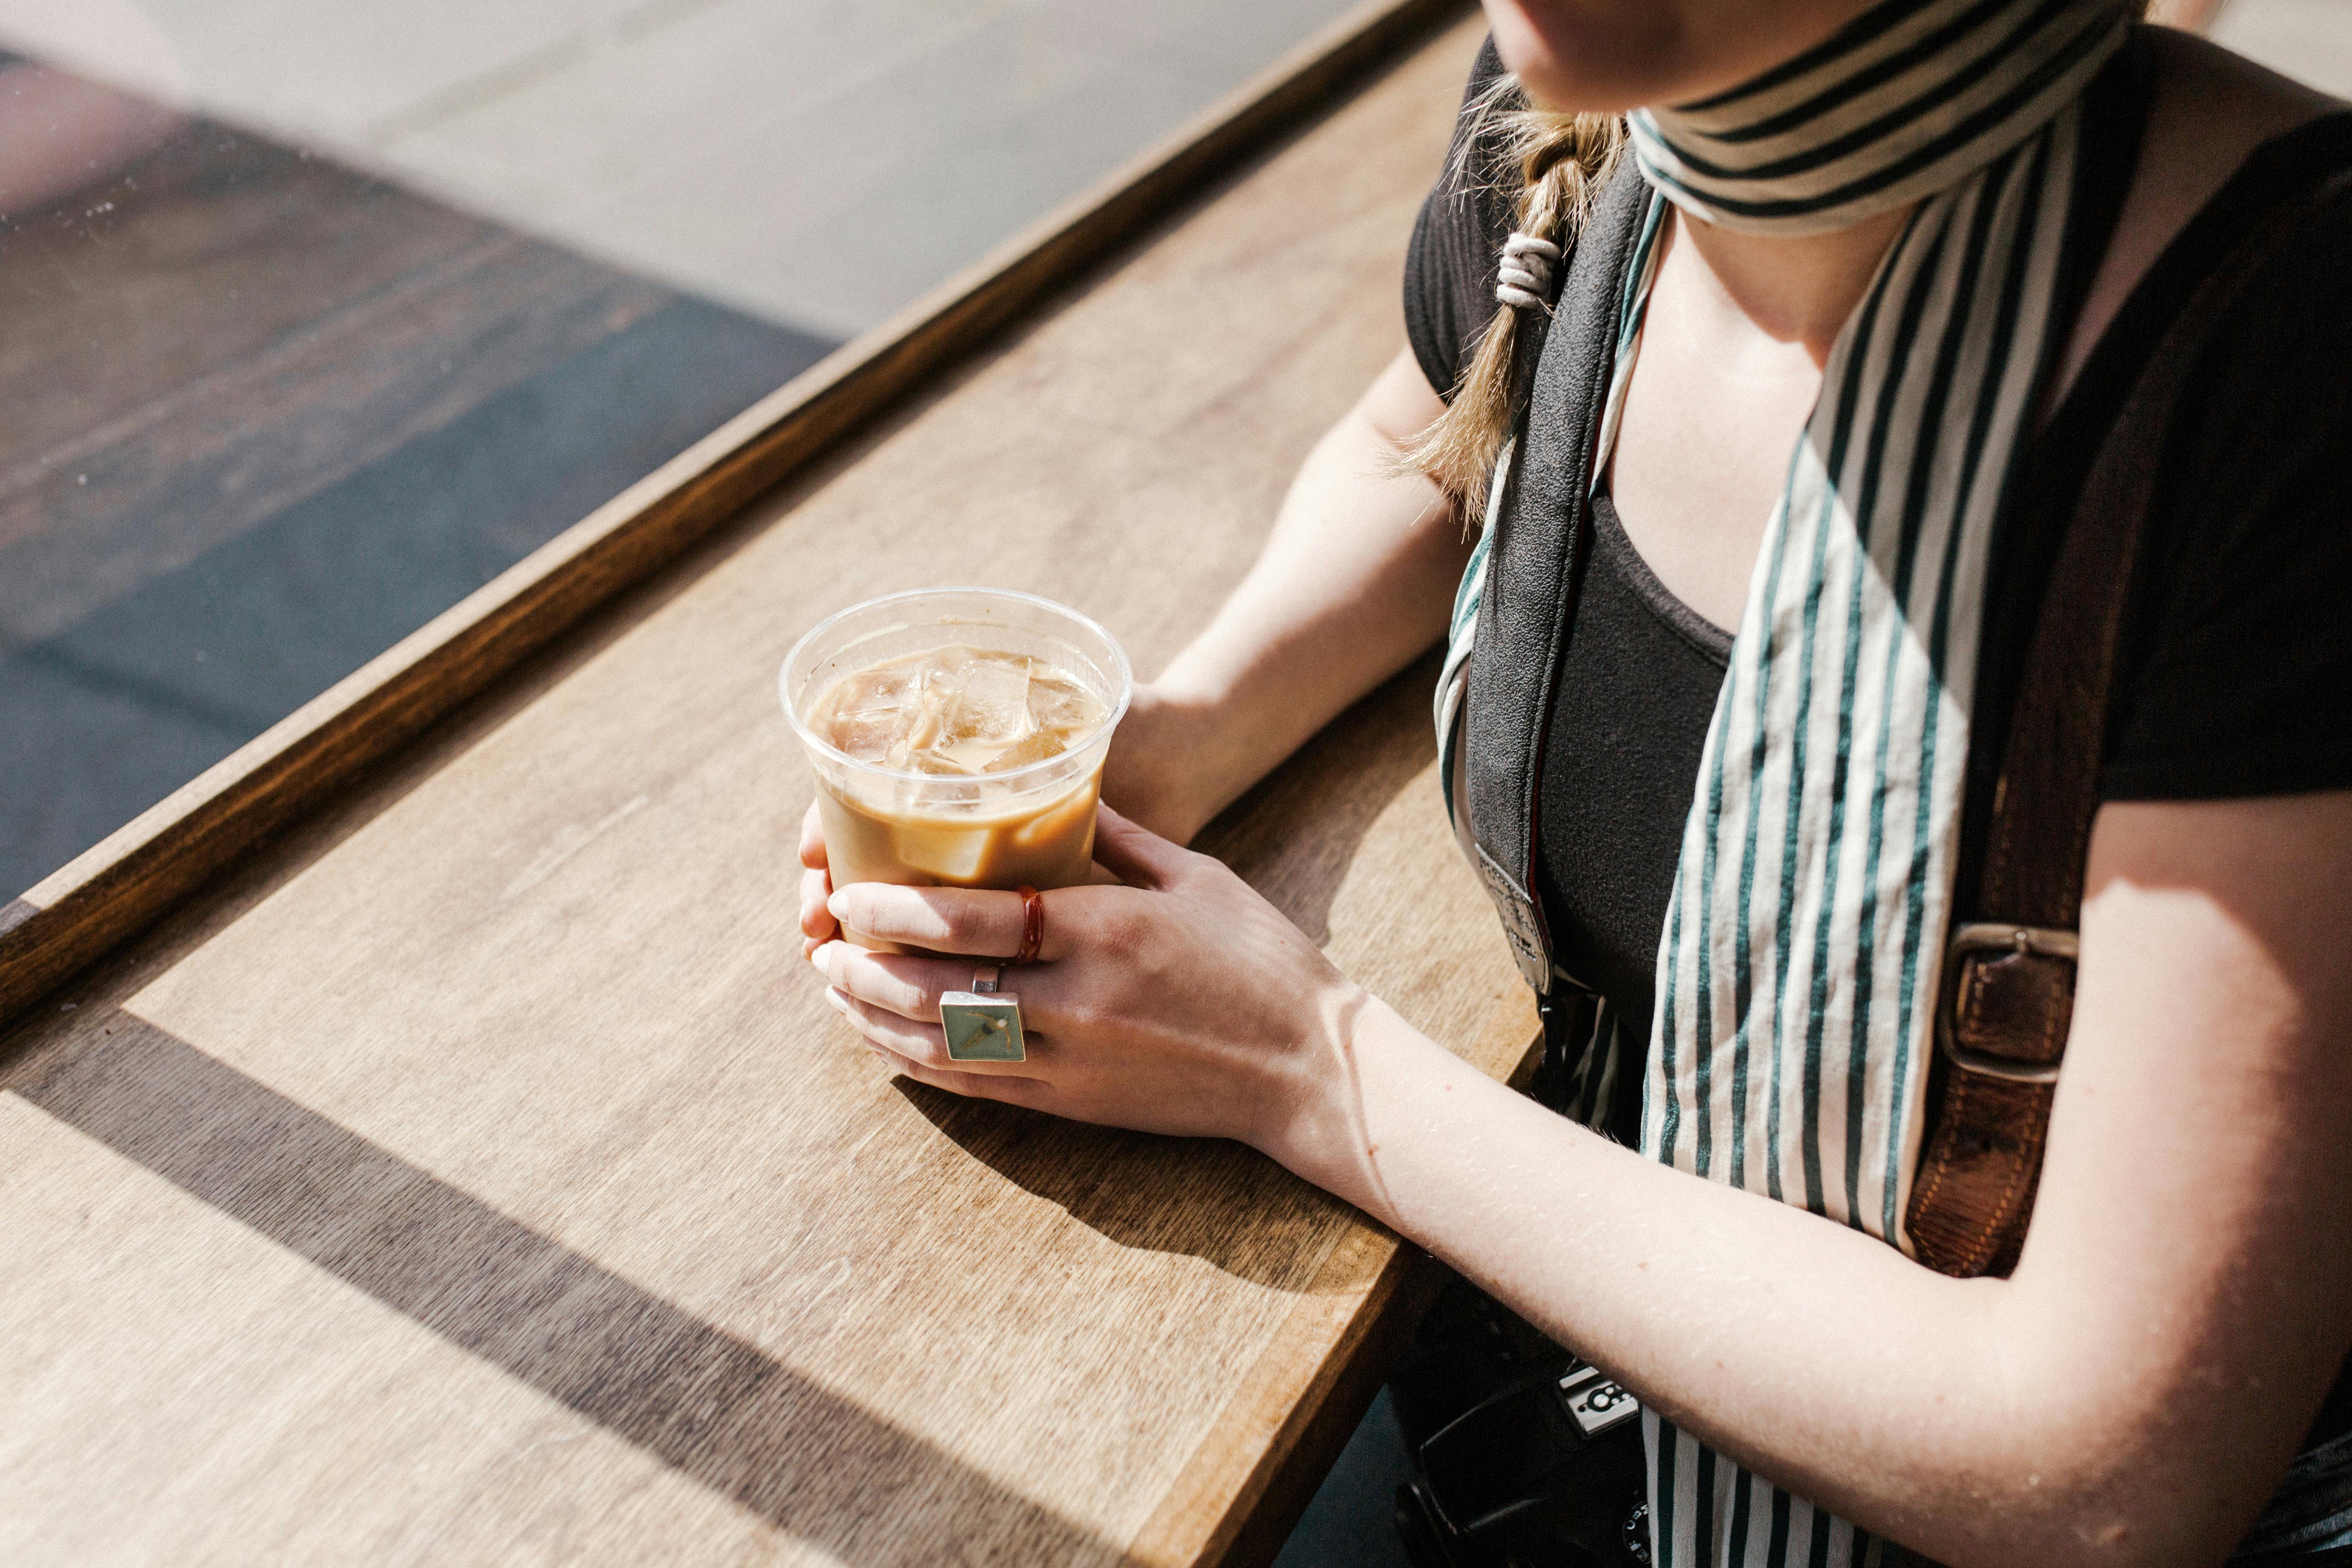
<point>471,1172</point>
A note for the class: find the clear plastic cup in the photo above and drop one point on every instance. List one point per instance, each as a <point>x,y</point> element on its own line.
<point>1027,826</point>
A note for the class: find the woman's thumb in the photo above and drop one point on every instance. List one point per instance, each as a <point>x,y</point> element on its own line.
<point>1134,853</point>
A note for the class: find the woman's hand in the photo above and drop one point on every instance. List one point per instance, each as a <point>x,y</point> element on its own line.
<point>817,925</point>
<point>1181,1002</point>
<point>1151,777</point>
<point>1145,778</point>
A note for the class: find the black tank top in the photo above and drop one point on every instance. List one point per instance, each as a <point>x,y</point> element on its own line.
<point>1637,685</point>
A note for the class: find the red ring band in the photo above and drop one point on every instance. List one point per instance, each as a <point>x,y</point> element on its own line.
<point>1033,925</point>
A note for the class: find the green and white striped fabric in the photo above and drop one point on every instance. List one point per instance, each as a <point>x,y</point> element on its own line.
<point>1811,898</point>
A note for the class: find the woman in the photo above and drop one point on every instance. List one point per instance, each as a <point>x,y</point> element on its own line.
<point>1889,240</point>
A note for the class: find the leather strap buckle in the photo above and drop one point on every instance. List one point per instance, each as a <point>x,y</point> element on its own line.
<point>1977,1009</point>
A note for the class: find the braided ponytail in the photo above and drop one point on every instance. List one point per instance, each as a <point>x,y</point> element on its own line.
<point>1562,161</point>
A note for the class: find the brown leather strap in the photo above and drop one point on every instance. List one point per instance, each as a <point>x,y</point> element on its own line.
<point>2007,994</point>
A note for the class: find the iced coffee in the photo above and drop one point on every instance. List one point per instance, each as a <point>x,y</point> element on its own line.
<point>957,738</point>
<point>959,712</point>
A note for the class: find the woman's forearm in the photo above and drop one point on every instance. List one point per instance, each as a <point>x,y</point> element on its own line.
<point>1356,581</point>
<point>1813,1354</point>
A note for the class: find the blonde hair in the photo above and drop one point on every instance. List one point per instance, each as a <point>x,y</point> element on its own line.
<point>1560,161</point>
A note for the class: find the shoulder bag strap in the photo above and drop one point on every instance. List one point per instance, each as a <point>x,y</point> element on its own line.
<point>2008,993</point>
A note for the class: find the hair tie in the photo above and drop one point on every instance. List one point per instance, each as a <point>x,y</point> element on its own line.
<point>1522,277</point>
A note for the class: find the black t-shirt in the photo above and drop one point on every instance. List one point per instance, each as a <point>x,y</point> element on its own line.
<point>2236,672</point>
<point>1638,683</point>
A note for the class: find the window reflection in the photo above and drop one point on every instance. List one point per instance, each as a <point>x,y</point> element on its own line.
<point>269,416</point>
<point>314,316</point>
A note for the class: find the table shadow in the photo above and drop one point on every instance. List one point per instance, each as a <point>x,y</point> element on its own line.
<point>703,1402</point>
<point>1209,1199</point>
<point>1294,834</point>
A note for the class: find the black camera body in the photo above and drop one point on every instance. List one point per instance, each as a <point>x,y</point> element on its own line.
<point>1524,1456</point>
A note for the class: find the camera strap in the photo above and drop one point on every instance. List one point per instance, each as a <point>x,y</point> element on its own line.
<point>1540,521</point>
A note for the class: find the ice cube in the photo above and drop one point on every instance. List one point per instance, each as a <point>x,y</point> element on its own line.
<point>949,853</point>
<point>993,705</point>
<point>1059,703</point>
<point>986,710</point>
<point>867,713</point>
<point>868,737</point>
<point>926,708</point>
<point>942,673</point>
<point>876,691</point>
<point>1035,746</point>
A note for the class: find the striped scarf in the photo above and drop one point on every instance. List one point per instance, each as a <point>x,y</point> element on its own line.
<point>1805,934</point>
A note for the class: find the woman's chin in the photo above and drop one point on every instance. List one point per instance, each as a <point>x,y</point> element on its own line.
<point>1610,55</point>
<point>1599,60</point>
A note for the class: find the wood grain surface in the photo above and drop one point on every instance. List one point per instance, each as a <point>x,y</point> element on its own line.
<point>474,1173</point>
<point>326,747</point>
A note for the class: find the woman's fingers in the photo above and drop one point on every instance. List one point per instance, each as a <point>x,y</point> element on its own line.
<point>813,840</point>
<point>817,924</point>
<point>1137,855</point>
<point>970,920</point>
<point>908,984</point>
<point>971,1085</point>
<point>921,1043</point>
<point>885,980</point>
<point>917,1042</point>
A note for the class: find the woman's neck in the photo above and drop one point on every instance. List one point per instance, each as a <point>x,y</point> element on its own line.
<point>1794,289</point>
<point>1738,330</point>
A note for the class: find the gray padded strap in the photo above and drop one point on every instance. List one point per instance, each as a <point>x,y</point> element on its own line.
<point>1525,611</point>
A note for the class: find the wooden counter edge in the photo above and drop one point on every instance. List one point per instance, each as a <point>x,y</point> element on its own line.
<point>1244,1488</point>
<point>122,884</point>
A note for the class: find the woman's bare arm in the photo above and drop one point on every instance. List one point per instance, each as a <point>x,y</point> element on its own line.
<point>1356,581</point>
<point>2129,1396</point>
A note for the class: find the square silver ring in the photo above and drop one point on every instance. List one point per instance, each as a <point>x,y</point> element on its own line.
<point>982,1026</point>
